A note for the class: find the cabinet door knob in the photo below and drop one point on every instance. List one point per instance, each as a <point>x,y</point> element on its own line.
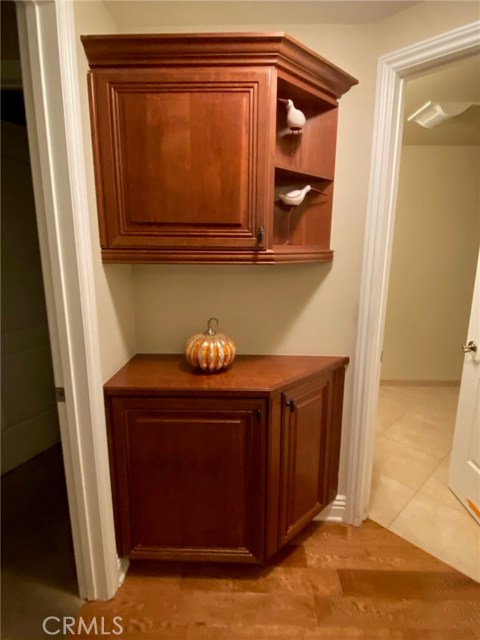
<point>291,404</point>
<point>260,235</point>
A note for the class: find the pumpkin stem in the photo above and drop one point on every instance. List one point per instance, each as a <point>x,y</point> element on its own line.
<point>210,331</point>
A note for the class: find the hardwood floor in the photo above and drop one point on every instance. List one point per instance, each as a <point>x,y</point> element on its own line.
<point>333,582</point>
<point>38,568</point>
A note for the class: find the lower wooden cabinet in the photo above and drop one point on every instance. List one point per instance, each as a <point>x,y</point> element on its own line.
<point>222,467</point>
<point>304,459</point>
<point>192,477</point>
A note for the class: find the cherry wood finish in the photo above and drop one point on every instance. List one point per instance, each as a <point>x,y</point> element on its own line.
<point>249,375</point>
<point>305,421</point>
<point>180,153</point>
<point>204,500</point>
<point>191,146</point>
<point>226,466</point>
<point>310,450</point>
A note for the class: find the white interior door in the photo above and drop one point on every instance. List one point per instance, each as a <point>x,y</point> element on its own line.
<point>464,478</point>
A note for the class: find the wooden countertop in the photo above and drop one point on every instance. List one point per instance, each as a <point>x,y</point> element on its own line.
<point>147,374</point>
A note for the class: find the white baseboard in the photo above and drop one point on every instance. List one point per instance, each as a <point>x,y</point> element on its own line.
<point>335,512</point>
<point>419,383</point>
<point>123,565</point>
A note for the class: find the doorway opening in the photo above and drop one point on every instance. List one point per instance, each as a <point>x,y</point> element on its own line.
<point>38,568</point>
<point>434,257</point>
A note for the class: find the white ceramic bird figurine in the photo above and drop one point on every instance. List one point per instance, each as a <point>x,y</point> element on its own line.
<point>295,118</point>
<point>296,197</point>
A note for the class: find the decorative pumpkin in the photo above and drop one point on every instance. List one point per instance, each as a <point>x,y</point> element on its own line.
<point>210,351</point>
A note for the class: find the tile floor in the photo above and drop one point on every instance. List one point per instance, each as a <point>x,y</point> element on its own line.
<point>410,495</point>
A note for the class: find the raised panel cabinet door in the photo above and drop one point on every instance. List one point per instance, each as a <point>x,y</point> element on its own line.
<point>306,412</point>
<point>333,437</point>
<point>181,157</point>
<point>189,478</point>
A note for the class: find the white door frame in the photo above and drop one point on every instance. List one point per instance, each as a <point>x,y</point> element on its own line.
<point>393,69</point>
<point>48,57</point>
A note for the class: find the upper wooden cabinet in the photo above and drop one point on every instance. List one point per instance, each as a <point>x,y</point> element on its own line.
<point>192,148</point>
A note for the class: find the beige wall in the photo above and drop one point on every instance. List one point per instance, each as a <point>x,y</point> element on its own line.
<point>434,258</point>
<point>114,283</point>
<point>424,20</point>
<point>303,309</point>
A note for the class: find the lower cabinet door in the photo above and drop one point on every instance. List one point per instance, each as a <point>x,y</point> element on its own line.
<point>189,478</point>
<point>306,421</point>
